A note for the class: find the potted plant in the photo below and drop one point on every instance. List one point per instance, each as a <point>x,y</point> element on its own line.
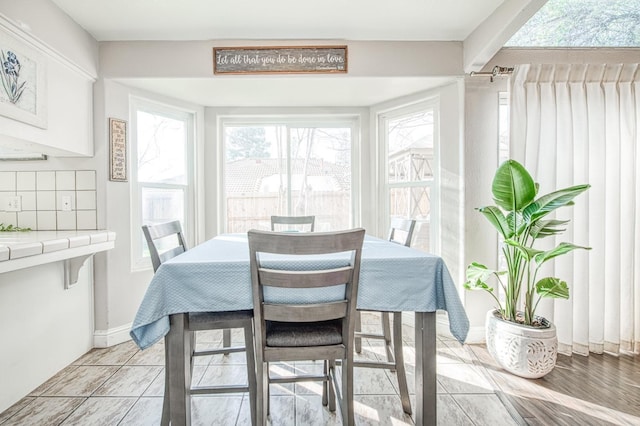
<point>521,342</point>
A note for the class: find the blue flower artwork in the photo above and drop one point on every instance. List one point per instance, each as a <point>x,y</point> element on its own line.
<point>10,74</point>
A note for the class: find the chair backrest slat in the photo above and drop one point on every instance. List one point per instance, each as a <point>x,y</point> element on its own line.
<point>288,275</point>
<point>406,228</point>
<point>306,313</point>
<point>304,279</point>
<point>293,220</point>
<point>152,233</point>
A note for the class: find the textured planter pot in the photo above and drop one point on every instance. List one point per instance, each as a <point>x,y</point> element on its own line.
<point>522,350</point>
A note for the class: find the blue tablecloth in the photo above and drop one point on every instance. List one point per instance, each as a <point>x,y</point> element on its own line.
<point>214,276</point>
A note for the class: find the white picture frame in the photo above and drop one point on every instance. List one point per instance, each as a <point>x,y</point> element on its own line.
<point>23,92</point>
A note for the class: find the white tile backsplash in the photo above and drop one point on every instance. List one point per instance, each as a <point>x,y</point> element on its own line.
<point>46,220</point>
<point>66,221</point>
<point>45,200</point>
<point>27,220</point>
<point>26,181</point>
<point>42,195</point>
<point>66,180</point>
<point>45,181</point>
<point>8,218</point>
<point>86,200</point>
<point>28,200</point>
<point>85,180</point>
<point>7,181</point>
<point>86,219</point>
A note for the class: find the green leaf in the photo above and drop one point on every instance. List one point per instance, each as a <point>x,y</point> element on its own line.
<point>560,249</point>
<point>546,228</point>
<point>548,203</point>
<point>552,287</point>
<point>477,276</point>
<point>528,252</point>
<point>497,219</point>
<point>513,187</point>
<point>516,223</point>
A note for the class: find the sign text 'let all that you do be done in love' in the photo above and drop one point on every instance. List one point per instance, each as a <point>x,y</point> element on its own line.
<point>265,60</point>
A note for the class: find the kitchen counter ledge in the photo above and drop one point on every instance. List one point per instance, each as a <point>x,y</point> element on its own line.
<point>19,250</point>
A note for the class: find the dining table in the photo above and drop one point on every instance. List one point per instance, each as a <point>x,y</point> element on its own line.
<point>215,276</point>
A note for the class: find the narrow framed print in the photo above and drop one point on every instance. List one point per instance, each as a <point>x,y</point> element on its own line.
<point>117,150</point>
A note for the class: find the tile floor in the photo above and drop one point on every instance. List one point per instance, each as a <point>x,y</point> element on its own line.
<point>122,385</point>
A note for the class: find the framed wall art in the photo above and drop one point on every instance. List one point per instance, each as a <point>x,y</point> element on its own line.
<point>275,59</point>
<point>23,94</point>
<point>117,150</point>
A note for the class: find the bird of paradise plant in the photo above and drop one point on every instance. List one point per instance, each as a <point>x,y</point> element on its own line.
<point>10,75</point>
<point>520,218</point>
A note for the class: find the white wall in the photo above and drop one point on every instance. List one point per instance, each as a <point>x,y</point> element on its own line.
<point>119,289</point>
<point>481,161</point>
<point>68,56</point>
<point>44,327</point>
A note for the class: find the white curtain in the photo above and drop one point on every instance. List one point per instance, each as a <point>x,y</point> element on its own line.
<point>574,124</point>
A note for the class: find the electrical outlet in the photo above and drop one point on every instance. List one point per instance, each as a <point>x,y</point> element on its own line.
<point>13,203</point>
<point>66,203</point>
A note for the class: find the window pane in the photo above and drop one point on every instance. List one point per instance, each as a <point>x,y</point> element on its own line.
<point>578,23</point>
<point>268,174</point>
<point>162,149</point>
<point>321,176</point>
<point>410,148</point>
<point>162,205</point>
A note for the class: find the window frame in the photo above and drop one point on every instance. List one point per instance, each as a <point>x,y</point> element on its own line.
<point>351,120</point>
<point>382,121</point>
<point>188,116</point>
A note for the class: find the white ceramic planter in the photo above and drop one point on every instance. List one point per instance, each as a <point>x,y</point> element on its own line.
<point>525,351</point>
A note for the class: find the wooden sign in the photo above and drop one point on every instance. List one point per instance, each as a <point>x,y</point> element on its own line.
<point>117,150</point>
<point>271,60</point>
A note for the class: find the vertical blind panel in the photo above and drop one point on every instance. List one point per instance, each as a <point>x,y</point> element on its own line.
<point>574,124</point>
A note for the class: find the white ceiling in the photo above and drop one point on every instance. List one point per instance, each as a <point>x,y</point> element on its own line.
<point>332,20</point>
<point>287,91</point>
<point>279,19</point>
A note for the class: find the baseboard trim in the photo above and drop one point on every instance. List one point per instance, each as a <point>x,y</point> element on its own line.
<point>476,334</point>
<point>111,337</point>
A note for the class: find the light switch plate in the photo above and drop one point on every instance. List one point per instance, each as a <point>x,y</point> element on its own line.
<point>13,203</point>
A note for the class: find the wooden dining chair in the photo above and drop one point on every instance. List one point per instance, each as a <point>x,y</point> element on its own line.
<point>293,222</point>
<point>400,232</point>
<point>296,329</point>
<point>171,234</point>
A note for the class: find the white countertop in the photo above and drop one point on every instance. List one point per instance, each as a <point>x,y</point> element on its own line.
<point>15,245</point>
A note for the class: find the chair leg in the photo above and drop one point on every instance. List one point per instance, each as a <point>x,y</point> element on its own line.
<point>267,404</point>
<point>386,332</point>
<point>330,367</point>
<point>346,405</point>
<point>358,328</point>
<point>401,373</point>
<point>325,385</point>
<point>164,421</point>
<point>226,339</point>
<point>251,372</point>
<point>261,391</point>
